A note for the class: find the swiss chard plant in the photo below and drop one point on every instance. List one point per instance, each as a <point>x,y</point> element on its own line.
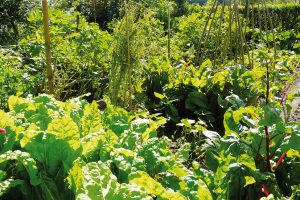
<point>59,150</point>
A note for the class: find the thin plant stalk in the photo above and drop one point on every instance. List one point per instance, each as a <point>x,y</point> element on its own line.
<point>204,33</point>
<point>266,127</point>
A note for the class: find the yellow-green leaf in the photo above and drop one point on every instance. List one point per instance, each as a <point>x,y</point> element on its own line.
<point>249,180</point>
<point>153,187</point>
<point>179,171</point>
<point>203,191</point>
<point>248,161</point>
<point>158,95</point>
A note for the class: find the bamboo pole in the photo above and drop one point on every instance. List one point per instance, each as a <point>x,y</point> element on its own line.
<point>49,70</point>
<point>94,4</point>
<point>129,67</point>
<point>169,31</point>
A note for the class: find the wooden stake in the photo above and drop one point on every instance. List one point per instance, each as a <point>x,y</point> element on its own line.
<point>49,70</point>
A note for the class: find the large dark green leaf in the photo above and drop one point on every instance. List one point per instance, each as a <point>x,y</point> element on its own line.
<point>196,101</point>
<point>271,115</point>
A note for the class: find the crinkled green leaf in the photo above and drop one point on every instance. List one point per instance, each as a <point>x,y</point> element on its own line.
<point>131,192</point>
<point>249,180</point>
<point>126,162</point>
<point>98,182</point>
<point>179,170</point>
<point>140,125</point>
<point>130,140</point>
<point>156,150</point>
<point>39,116</point>
<point>26,162</point>
<point>18,104</point>
<point>183,153</point>
<point>75,175</point>
<point>220,78</point>
<point>49,189</point>
<point>8,140</point>
<point>170,180</point>
<point>95,181</point>
<point>153,187</point>
<point>239,113</point>
<point>150,132</point>
<point>48,101</point>
<point>235,101</point>
<point>91,119</point>
<point>64,128</point>
<point>247,160</point>
<point>220,179</point>
<point>107,145</point>
<point>91,144</point>
<point>2,175</point>
<point>271,116</point>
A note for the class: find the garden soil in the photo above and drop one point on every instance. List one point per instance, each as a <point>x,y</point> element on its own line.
<point>295,113</point>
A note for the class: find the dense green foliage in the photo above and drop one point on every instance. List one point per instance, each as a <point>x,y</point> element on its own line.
<point>66,150</point>
<point>153,100</point>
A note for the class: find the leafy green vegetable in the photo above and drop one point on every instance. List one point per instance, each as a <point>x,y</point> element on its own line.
<point>95,181</point>
<point>153,187</point>
<point>25,163</point>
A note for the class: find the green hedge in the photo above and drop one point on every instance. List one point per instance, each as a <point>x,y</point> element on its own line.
<point>286,16</point>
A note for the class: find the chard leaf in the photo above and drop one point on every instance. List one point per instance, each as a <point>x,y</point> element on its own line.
<point>229,123</point>
<point>156,150</point>
<point>17,104</point>
<point>131,192</point>
<point>64,128</point>
<point>25,163</point>
<point>291,142</point>
<point>6,120</point>
<point>91,144</point>
<point>98,182</point>
<point>95,181</point>
<point>271,116</point>
<point>153,187</point>
<point>117,119</point>
<point>235,101</point>
<point>126,162</point>
<point>203,191</point>
<point>51,150</point>
<point>183,153</point>
<point>7,184</point>
<point>91,120</point>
